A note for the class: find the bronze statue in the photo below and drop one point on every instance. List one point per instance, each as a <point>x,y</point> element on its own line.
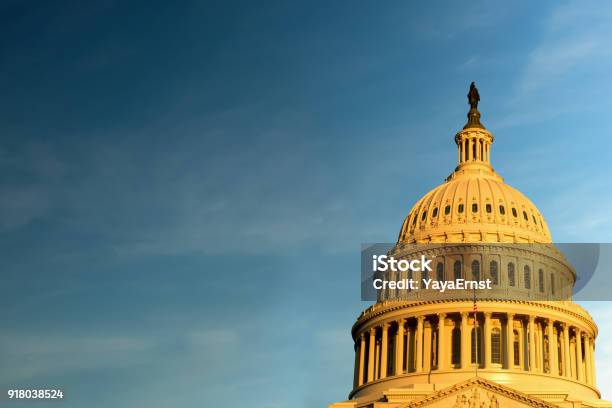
<point>473,96</point>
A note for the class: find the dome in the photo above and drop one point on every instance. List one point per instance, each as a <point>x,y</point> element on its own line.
<point>474,204</point>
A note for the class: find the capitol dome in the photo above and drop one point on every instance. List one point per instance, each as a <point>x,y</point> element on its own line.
<point>522,342</point>
<point>474,204</point>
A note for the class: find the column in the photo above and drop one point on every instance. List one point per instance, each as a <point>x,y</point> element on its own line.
<point>567,369</point>
<point>459,152</point>
<point>385,344</point>
<point>579,368</point>
<point>372,348</point>
<point>361,358</point>
<point>466,345</point>
<point>399,347</point>
<point>410,335</point>
<point>538,348</point>
<point>531,329</point>
<point>377,361</point>
<point>552,349</point>
<point>463,150</point>
<point>487,340</point>
<point>419,343</point>
<point>427,342</point>
<point>593,370</point>
<point>587,358</point>
<point>470,150</point>
<point>442,343</point>
<point>510,340</point>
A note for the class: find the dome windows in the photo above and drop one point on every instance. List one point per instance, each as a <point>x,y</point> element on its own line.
<point>475,270</point>
<point>475,208</point>
<point>552,283</point>
<point>511,280</point>
<point>493,272</point>
<point>527,274</point>
<point>440,271</point>
<point>457,270</point>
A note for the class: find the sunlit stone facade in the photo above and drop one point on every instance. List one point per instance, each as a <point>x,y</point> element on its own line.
<point>523,349</point>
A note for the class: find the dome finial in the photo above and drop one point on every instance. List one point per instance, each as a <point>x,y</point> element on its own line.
<point>473,115</point>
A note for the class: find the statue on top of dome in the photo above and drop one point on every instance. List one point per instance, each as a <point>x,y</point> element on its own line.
<point>473,96</point>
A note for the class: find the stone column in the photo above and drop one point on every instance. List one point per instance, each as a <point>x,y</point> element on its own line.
<point>531,329</point>
<point>487,340</point>
<point>419,344</point>
<point>579,368</point>
<point>377,361</point>
<point>399,347</point>
<point>361,358</point>
<point>593,370</point>
<point>510,340</point>
<point>427,349</point>
<point>466,345</point>
<point>567,369</point>
<point>538,349</point>
<point>442,343</point>
<point>552,349</point>
<point>372,348</point>
<point>384,353</point>
<point>470,150</point>
<point>587,358</point>
<point>409,358</point>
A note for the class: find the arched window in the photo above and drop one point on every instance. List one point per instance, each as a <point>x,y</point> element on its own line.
<point>502,210</point>
<point>457,270</point>
<point>494,272</point>
<point>527,274</point>
<point>424,215</point>
<point>410,277</point>
<point>541,280</point>
<point>474,207</point>
<point>460,208</point>
<point>440,271</point>
<point>447,210</point>
<point>475,270</point>
<point>517,348</point>
<point>511,281</point>
<point>456,342</point>
<point>488,208</point>
<point>514,213</point>
<point>552,283</point>
<point>496,346</point>
<point>477,346</point>
<point>435,212</point>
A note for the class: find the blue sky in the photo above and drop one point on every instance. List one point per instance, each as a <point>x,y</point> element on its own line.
<point>184,186</point>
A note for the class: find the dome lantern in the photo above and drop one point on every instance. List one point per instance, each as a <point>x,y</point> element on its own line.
<point>474,140</point>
